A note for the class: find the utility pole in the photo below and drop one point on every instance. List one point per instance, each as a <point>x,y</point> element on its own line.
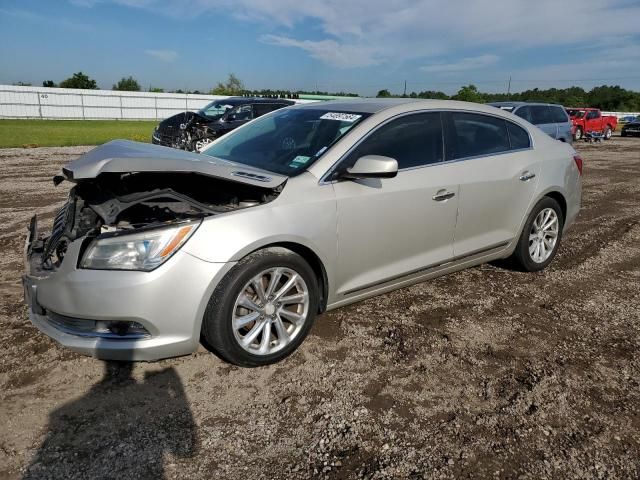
<point>509,87</point>
<point>405,89</point>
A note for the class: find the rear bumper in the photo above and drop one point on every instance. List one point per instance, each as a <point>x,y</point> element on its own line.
<point>168,302</point>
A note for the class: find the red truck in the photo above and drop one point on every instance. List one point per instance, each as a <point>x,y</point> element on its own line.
<point>588,120</point>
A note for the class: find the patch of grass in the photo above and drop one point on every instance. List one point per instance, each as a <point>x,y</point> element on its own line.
<point>61,133</point>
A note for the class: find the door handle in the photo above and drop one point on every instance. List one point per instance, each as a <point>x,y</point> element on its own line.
<point>443,195</point>
<point>526,176</point>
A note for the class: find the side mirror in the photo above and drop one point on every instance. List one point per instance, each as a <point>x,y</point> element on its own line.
<point>372,166</point>
<point>231,117</point>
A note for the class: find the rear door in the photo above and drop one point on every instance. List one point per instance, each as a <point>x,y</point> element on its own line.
<point>543,118</point>
<point>389,228</point>
<point>593,121</point>
<point>497,171</point>
<point>563,124</point>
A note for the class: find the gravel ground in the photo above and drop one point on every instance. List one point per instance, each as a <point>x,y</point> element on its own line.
<point>483,373</point>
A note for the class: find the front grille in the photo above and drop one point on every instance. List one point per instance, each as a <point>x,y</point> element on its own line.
<point>167,136</point>
<point>63,219</point>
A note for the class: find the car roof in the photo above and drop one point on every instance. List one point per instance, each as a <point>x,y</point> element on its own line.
<point>519,104</point>
<point>361,105</point>
<point>376,105</point>
<point>241,100</point>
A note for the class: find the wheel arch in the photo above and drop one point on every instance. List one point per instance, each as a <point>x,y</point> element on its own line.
<point>551,192</point>
<point>314,261</point>
<point>558,197</point>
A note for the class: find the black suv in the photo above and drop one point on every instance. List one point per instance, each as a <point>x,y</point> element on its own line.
<point>194,130</point>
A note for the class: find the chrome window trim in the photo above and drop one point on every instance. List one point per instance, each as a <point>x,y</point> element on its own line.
<point>325,181</point>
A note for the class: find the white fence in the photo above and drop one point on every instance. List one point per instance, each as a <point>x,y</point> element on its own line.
<point>75,104</point>
<point>70,103</point>
<point>621,115</point>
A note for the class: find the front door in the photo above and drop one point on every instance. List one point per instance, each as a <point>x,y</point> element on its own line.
<point>389,228</point>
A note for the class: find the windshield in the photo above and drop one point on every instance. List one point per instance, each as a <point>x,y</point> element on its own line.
<point>286,141</point>
<point>215,110</point>
<point>575,113</point>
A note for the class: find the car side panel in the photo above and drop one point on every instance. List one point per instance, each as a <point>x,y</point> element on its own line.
<point>493,199</point>
<point>558,174</point>
<point>390,227</point>
<point>304,213</point>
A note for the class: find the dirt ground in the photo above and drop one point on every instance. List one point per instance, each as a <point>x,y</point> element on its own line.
<point>486,373</point>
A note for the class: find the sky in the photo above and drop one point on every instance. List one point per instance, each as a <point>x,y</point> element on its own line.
<point>358,46</point>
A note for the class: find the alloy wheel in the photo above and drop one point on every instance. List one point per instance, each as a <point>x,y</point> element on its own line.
<point>202,143</point>
<point>543,235</point>
<point>270,311</point>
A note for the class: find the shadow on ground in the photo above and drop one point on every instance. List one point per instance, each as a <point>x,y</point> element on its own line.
<point>122,428</point>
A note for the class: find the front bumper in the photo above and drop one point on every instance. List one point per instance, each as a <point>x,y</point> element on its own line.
<point>168,302</point>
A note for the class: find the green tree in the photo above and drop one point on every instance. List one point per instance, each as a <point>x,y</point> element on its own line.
<point>79,80</point>
<point>48,84</point>
<point>384,93</point>
<point>233,86</point>
<point>433,94</point>
<point>469,93</point>
<point>127,84</point>
<point>156,90</point>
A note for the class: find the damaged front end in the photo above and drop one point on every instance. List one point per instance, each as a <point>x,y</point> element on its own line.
<point>143,197</point>
<point>130,209</point>
<point>117,204</point>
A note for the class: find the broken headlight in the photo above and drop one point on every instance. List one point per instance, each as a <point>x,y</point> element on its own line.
<point>144,250</point>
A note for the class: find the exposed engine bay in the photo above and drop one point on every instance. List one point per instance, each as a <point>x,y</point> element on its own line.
<point>118,202</point>
<point>194,134</point>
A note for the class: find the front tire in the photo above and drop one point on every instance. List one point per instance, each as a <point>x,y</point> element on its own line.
<point>263,309</point>
<point>540,237</point>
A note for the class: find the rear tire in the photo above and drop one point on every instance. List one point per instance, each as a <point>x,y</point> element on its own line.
<point>538,245</point>
<point>252,318</point>
<point>608,132</point>
<point>578,134</point>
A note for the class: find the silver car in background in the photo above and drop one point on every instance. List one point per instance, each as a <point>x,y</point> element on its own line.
<point>301,211</point>
<point>551,118</point>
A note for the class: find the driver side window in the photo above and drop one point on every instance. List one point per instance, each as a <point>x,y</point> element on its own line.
<point>412,140</point>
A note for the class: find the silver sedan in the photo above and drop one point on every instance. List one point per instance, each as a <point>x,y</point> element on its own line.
<point>301,211</point>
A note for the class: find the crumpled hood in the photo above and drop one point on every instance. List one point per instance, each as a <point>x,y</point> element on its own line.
<point>124,156</point>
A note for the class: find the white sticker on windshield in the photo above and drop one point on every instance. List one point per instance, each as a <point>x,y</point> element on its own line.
<point>342,117</point>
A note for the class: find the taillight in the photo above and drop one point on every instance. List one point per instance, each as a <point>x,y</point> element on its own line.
<point>578,160</point>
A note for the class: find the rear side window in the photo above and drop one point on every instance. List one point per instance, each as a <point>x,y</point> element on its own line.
<point>260,109</point>
<point>413,140</point>
<point>541,114</point>
<point>518,136</point>
<point>473,134</point>
<point>524,112</point>
<point>558,115</point>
